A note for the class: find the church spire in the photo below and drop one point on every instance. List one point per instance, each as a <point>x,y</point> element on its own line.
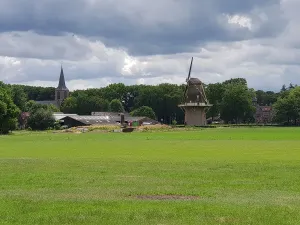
<point>62,84</point>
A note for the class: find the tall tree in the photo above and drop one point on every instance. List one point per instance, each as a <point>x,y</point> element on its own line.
<point>83,104</point>
<point>242,81</point>
<point>41,119</point>
<point>114,91</point>
<point>116,106</point>
<point>283,88</point>
<point>237,103</point>
<point>266,98</point>
<point>38,93</point>
<point>287,107</point>
<point>69,105</point>
<point>32,106</point>
<point>9,112</point>
<point>214,94</point>
<point>163,99</point>
<point>19,97</point>
<point>144,111</point>
<point>291,86</point>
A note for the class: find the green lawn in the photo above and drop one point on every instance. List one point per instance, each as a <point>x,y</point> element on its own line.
<point>235,175</point>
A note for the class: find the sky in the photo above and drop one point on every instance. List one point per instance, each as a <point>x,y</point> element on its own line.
<point>100,42</point>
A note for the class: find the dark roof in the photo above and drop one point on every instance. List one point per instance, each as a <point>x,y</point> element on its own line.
<point>108,114</point>
<point>265,108</point>
<point>62,84</point>
<point>91,120</point>
<point>59,116</point>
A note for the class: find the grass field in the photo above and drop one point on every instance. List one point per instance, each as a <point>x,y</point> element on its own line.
<point>223,176</point>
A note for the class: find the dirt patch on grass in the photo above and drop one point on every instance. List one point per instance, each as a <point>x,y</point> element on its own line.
<point>167,197</point>
<point>226,220</point>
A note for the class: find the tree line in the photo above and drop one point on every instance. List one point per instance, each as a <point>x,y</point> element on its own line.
<point>232,102</point>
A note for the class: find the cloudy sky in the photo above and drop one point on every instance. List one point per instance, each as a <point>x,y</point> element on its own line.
<point>149,42</point>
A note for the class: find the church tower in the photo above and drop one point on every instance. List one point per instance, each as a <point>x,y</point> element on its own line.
<point>61,92</point>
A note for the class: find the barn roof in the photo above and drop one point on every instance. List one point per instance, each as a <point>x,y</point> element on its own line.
<point>90,120</point>
<point>59,116</point>
<point>108,114</point>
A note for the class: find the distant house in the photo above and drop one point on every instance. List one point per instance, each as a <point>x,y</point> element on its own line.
<point>23,118</point>
<point>264,114</point>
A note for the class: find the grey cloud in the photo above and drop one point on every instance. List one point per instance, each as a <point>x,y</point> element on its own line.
<point>29,70</point>
<point>142,27</point>
<point>265,54</point>
<point>30,45</point>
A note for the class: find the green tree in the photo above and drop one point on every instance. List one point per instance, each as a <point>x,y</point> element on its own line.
<point>242,81</point>
<point>287,107</point>
<point>116,106</point>
<point>237,103</point>
<point>214,94</point>
<point>69,105</point>
<point>41,119</point>
<point>266,98</point>
<point>9,112</point>
<point>291,86</point>
<point>52,108</point>
<point>144,111</point>
<point>114,91</point>
<point>38,93</point>
<point>283,88</point>
<point>32,106</point>
<point>3,109</point>
<point>19,97</point>
<point>83,104</point>
<point>163,99</point>
<point>99,104</point>
<point>132,92</point>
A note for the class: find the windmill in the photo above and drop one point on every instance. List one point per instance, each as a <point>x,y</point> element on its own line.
<point>195,102</point>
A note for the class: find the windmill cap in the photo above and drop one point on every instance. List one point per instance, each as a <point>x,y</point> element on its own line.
<point>194,81</point>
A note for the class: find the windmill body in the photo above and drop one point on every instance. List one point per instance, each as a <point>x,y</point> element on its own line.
<point>195,103</point>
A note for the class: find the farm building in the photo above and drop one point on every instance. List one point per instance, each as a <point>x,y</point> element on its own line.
<point>60,115</point>
<point>116,114</point>
<point>264,114</point>
<point>76,120</point>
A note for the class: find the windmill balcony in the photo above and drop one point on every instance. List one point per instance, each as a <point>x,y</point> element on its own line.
<point>195,104</point>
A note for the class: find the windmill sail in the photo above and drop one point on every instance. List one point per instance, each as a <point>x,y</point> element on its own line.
<point>189,75</point>
<point>190,69</point>
<point>195,103</point>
